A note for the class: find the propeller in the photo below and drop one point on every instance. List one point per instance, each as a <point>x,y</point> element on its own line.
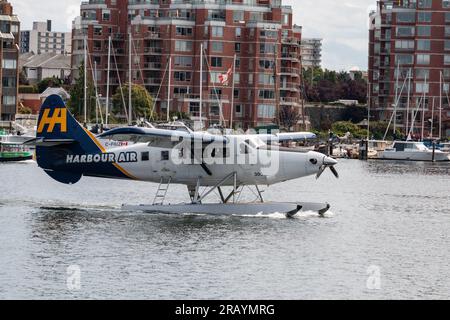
<point>328,163</point>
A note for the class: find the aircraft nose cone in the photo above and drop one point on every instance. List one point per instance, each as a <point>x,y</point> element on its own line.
<point>327,161</point>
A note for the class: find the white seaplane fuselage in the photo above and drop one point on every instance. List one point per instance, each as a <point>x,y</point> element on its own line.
<point>253,162</point>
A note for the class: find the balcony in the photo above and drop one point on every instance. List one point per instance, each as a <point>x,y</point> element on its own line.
<point>290,71</point>
<point>153,50</point>
<point>294,87</point>
<point>189,97</point>
<point>152,66</point>
<point>289,101</point>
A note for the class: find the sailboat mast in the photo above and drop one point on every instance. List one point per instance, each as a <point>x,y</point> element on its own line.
<point>108,81</point>
<point>85,81</point>
<point>201,85</point>
<point>432,119</point>
<point>423,109</point>
<point>369,102</point>
<point>168,89</point>
<point>130,117</point>
<point>396,98</point>
<point>408,102</point>
<point>232,92</point>
<point>440,105</point>
<point>96,92</point>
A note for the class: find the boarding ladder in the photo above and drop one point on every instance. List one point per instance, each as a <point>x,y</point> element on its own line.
<point>162,192</point>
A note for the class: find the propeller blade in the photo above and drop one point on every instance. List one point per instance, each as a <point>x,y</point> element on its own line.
<point>336,174</point>
<point>322,169</point>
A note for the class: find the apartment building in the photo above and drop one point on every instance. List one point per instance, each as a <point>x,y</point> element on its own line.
<point>409,64</point>
<point>41,39</point>
<point>9,56</point>
<point>311,53</point>
<point>257,38</point>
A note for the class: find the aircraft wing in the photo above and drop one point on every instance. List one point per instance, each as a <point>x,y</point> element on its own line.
<point>172,135</point>
<point>288,136</point>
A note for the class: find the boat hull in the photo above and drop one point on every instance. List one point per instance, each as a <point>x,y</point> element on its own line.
<point>251,209</point>
<point>415,156</point>
<point>15,158</point>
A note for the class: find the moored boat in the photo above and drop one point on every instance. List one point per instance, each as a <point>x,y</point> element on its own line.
<point>413,151</point>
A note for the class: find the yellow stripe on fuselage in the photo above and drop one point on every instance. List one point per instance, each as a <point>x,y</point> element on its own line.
<point>99,145</point>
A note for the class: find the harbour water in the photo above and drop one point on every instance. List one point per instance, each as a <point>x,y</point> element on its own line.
<point>387,237</point>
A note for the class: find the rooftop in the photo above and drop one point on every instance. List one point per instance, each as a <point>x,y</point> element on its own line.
<point>45,60</point>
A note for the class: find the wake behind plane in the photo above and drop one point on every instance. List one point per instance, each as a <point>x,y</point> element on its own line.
<point>207,164</point>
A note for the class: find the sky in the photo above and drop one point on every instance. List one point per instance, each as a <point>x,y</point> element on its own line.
<point>342,24</point>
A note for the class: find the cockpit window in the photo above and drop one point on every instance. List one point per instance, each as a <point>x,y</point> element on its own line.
<point>245,148</point>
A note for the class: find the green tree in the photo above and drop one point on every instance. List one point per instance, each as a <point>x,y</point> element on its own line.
<point>341,128</point>
<point>289,117</point>
<point>49,83</point>
<point>76,102</point>
<point>141,101</point>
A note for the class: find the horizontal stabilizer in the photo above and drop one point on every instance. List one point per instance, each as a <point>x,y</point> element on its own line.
<point>42,142</point>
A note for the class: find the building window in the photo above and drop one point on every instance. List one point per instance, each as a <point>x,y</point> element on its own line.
<point>266,111</point>
<point>424,4</point>
<point>424,16</point>
<point>237,78</point>
<point>422,87</point>
<point>9,64</point>
<point>267,48</point>
<point>405,31</point>
<point>194,109</point>
<point>266,79</point>
<point>216,62</point>
<point>404,59</point>
<point>182,76</point>
<point>217,32</point>
<point>446,59</point>
<point>183,46</point>
<point>183,61</point>
<point>237,47</point>
<point>238,110</point>
<point>445,3</point>
<point>447,45</point>
<point>422,74</point>
<point>238,32</point>
<point>217,46</point>
<point>181,31</point>
<point>266,94</point>
<point>404,44</point>
<point>9,100</point>
<point>424,31</point>
<point>266,64</point>
<point>238,16</point>
<point>424,45</point>
<point>406,17</point>
<point>214,77</point>
<point>106,15</point>
<point>250,78</point>
<point>423,59</point>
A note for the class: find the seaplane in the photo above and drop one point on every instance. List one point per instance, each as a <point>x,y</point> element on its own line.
<point>207,164</point>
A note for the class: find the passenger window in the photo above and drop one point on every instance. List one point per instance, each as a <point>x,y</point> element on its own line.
<point>245,149</point>
<point>145,156</point>
<point>164,155</point>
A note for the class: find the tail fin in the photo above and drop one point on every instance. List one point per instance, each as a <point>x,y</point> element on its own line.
<point>58,135</point>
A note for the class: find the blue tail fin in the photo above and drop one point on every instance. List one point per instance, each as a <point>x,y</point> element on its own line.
<point>59,135</point>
